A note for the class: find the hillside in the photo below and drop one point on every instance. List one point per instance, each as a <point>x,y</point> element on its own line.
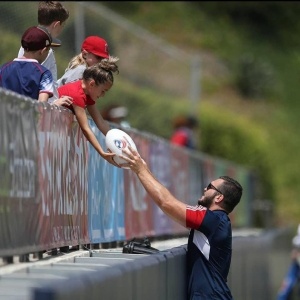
<point>249,69</point>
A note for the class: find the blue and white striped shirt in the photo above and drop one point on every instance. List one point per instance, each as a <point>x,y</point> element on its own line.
<point>26,77</point>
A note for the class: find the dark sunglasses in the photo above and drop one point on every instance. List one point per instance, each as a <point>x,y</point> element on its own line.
<point>210,186</point>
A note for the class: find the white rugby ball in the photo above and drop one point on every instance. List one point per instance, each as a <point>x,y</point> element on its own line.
<point>117,140</point>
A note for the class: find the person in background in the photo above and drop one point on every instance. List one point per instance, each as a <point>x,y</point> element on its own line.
<point>184,132</point>
<point>26,75</point>
<point>292,276</point>
<point>209,248</point>
<point>116,114</point>
<point>52,17</point>
<point>96,81</point>
<point>93,50</point>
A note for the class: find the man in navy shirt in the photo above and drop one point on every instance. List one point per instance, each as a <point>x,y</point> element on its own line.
<point>210,240</point>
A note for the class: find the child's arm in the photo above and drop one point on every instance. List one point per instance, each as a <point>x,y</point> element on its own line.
<point>83,123</point>
<point>43,97</point>
<point>102,124</point>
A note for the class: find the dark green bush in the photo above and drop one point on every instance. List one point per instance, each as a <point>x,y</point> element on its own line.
<point>254,78</point>
<point>234,138</point>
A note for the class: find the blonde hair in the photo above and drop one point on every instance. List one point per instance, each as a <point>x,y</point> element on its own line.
<point>76,61</point>
<point>102,71</point>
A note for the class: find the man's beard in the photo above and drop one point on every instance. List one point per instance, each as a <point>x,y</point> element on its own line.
<point>206,201</point>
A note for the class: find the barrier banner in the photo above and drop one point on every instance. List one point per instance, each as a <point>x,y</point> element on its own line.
<point>19,186</point>
<point>62,176</point>
<point>208,171</point>
<point>179,179</point>
<point>221,168</point>
<point>242,213</point>
<point>106,196</point>
<point>160,166</point>
<point>196,185</point>
<point>138,208</point>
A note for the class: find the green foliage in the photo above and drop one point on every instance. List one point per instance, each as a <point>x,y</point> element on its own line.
<point>232,137</point>
<point>13,16</point>
<point>9,42</point>
<point>273,22</point>
<point>254,78</point>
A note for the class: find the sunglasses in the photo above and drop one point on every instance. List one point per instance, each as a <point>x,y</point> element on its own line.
<point>212,187</point>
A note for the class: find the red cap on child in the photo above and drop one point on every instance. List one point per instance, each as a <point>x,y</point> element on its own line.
<point>96,45</point>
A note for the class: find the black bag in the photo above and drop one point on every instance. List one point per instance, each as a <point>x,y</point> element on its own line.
<point>139,247</point>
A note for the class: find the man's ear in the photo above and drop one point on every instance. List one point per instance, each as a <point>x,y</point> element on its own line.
<point>219,198</point>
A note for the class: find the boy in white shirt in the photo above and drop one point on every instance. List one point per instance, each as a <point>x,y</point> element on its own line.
<point>52,16</point>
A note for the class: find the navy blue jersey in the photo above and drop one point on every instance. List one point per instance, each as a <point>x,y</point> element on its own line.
<point>209,253</point>
<point>26,77</point>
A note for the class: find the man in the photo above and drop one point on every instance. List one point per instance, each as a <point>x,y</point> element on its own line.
<point>210,239</point>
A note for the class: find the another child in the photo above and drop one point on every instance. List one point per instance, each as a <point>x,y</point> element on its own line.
<point>96,81</point>
<point>184,132</point>
<point>93,50</point>
<point>26,75</point>
<point>52,16</point>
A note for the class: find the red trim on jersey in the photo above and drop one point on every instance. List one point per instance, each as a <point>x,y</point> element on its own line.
<point>195,216</point>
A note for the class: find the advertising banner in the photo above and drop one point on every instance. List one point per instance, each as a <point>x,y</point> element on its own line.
<point>160,165</point>
<point>138,206</point>
<point>106,196</point>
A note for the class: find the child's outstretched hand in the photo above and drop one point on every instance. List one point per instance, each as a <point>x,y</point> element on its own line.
<point>109,156</point>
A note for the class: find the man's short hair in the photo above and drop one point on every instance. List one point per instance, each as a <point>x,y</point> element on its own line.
<point>232,192</point>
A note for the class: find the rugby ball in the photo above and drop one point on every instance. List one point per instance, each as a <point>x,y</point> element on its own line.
<point>117,140</point>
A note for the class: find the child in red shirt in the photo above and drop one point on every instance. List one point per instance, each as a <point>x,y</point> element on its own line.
<point>96,81</point>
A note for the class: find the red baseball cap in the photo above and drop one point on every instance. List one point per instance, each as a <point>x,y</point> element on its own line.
<point>96,45</point>
<point>35,38</point>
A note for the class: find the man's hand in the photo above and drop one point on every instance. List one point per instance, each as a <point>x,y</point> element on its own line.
<point>134,160</point>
